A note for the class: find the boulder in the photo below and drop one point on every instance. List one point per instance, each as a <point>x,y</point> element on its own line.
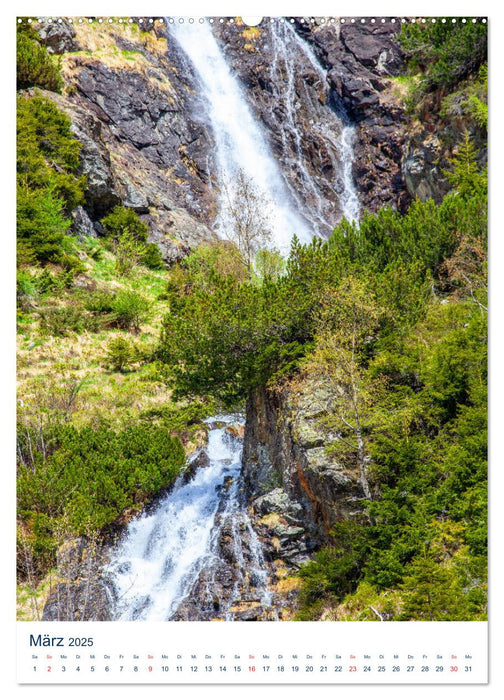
<point>57,37</point>
<point>81,592</point>
<point>82,225</point>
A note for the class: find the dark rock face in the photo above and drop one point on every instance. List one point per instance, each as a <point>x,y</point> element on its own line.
<point>135,105</point>
<point>82,224</point>
<point>288,91</point>
<point>81,592</point>
<point>359,58</point>
<point>288,473</point>
<point>141,145</point>
<point>357,61</point>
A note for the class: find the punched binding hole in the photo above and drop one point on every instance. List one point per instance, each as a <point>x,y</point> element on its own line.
<point>252,21</point>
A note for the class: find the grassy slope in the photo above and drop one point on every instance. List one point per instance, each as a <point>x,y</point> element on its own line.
<point>45,359</point>
<point>48,364</point>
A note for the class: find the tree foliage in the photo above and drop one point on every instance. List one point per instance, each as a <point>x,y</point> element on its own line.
<point>447,52</point>
<point>224,336</point>
<point>128,234</point>
<point>48,186</point>
<point>465,176</point>
<point>392,315</point>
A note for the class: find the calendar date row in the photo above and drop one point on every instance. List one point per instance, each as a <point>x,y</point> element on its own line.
<point>233,669</point>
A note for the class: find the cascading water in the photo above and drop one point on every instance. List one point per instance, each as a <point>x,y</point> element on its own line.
<point>240,142</point>
<point>285,92</point>
<point>334,129</point>
<point>198,537</point>
<point>196,555</point>
<point>301,199</point>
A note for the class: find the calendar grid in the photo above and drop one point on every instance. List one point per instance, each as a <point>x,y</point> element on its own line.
<point>334,653</point>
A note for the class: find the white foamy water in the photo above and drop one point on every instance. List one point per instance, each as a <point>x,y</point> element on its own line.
<point>340,139</point>
<point>162,553</point>
<point>239,139</point>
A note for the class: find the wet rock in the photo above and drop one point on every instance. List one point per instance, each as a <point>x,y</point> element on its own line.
<point>290,96</point>
<point>232,585</point>
<point>359,58</point>
<point>237,430</point>
<point>199,460</point>
<point>248,613</point>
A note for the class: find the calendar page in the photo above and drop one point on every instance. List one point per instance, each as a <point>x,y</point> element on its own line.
<point>251,348</point>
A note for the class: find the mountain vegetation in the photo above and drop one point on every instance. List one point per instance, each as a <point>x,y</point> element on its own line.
<point>393,313</point>
<point>120,358</point>
<point>444,53</point>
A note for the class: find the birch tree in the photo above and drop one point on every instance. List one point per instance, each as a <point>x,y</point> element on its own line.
<point>347,321</point>
<point>247,217</point>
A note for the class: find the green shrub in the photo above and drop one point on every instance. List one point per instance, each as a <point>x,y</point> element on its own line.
<point>445,52</point>
<point>100,302</point>
<point>71,263</point>
<point>36,545</point>
<point>129,253</point>
<point>26,289</point>
<point>48,282</point>
<point>47,185</point>
<point>124,309</point>
<point>89,476</point>
<point>41,225</point>
<point>152,258</point>
<point>268,263</point>
<point>121,220</point>
<point>120,354</point>
<point>130,310</point>
<point>65,320</point>
<point>35,67</point>
<point>129,234</point>
<point>47,151</point>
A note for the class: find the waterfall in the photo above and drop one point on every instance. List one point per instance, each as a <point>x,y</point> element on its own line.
<point>196,555</point>
<point>300,199</point>
<point>240,141</point>
<point>284,86</point>
<point>164,554</point>
<point>335,129</point>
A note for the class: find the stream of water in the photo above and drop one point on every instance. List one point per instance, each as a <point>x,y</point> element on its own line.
<point>241,144</point>
<point>156,565</point>
<point>196,553</point>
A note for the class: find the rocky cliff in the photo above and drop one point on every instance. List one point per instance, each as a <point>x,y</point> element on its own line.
<point>360,60</point>
<point>296,490</point>
<point>133,106</point>
<point>342,70</point>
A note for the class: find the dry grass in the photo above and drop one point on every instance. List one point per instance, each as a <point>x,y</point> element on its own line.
<point>271,520</point>
<point>46,362</point>
<point>397,90</point>
<point>287,585</point>
<point>251,34</point>
<point>30,602</point>
<point>98,43</point>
